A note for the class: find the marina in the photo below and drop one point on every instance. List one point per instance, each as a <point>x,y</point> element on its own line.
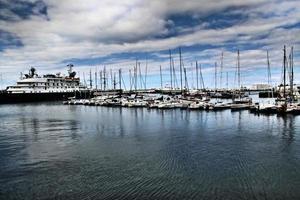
<point>149,100</point>
<point>286,101</point>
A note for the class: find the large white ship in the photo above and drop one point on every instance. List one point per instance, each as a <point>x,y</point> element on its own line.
<point>49,87</point>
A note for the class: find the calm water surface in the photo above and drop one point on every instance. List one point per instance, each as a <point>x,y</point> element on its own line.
<point>54,151</point>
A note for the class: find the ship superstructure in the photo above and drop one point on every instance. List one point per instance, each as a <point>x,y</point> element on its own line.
<point>49,83</point>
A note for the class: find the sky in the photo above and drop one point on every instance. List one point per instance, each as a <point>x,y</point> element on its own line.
<point>91,34</point>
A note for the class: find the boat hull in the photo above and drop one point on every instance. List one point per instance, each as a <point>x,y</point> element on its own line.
<point>7,98</point>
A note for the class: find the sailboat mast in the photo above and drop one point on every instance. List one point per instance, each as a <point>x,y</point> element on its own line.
<point>269,69</point>
<point>91,81</point>
<point>185,79</point>
<point>175,84</point>
<point>101,86</point>
<point>111,79</point>
<point>227,80</point>
<point>180,63</point>
<point>161,84</point>
<point>130,79</point>
<point>201,76</point>
<point>284,71</point>
<point>221,70</point>
<point>104,78</point>
<point>146,73</point>
<point>292,74</point>
<point>239,70</point>
<point>171,71</point>
<point>215,76</point>
<point>96,82</point>
<point>269,73</point>
<point>197,78</point>
<point>120,77</point>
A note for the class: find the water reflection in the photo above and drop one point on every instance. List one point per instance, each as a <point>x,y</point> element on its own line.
<point>98,152</point>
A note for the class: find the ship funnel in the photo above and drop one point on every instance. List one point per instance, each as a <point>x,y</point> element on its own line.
<point>32,72</point>
<point>70,71</point>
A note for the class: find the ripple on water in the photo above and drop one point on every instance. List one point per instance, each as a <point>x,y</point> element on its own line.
<point>105,153</point>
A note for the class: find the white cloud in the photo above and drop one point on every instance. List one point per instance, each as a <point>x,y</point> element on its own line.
<point>88,29</point>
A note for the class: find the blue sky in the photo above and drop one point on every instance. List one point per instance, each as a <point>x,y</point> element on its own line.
<point>91,34</point>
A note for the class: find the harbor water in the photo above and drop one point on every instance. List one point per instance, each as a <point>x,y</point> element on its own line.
<point>55,151</point>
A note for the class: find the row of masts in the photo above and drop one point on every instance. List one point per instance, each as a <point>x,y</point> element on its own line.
<point>288,73</point>
<point>138,79</point>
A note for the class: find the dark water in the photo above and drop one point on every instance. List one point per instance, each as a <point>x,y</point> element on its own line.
<point>53,151</point>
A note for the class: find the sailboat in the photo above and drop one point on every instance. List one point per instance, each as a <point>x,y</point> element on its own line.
<point>239,102</point>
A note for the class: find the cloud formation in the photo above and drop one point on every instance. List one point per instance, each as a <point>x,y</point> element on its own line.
<point>48,33</point>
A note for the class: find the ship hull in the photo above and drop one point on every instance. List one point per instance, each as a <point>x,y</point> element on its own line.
<point>7,98</point>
